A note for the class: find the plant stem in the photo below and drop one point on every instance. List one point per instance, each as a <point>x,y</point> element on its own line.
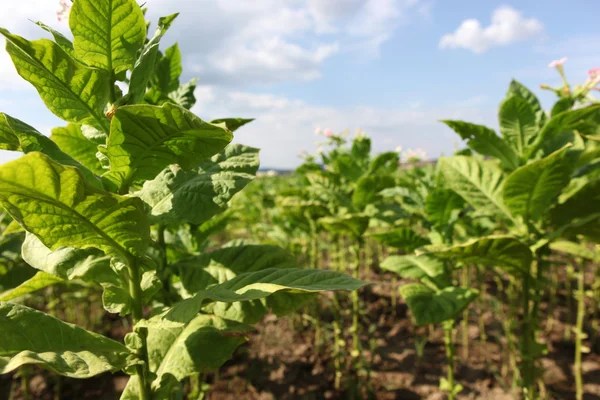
<point>135,291</point>
<point>356,347</point>
<point>579,334</point>
<point>450,352</point>
<point>25,383</point>
<point>465,320</point>
<point>527,365</point>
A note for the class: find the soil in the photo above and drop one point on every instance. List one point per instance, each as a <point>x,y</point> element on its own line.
<point>285,360</point>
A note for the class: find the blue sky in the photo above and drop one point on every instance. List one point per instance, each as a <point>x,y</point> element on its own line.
<point>390,67</point>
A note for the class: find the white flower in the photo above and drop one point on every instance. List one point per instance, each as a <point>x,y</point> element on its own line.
<point>399,149</point>
<point>557,63</point>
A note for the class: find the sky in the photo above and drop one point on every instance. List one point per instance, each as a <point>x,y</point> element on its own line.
<point>392,68</point>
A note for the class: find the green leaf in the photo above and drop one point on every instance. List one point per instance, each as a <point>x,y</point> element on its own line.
<point>518,123</point>
<point>479,184</point>
<point>32,337</point>
<point>442,205</point>
<point>177,352</point>
<point>368,187</point>
<point>505,252</point>
<point>56,204</point>
<point>59,38</point>
<point>353,224</point>
<point>116,299</point>
<point>69,89</point>
<point>71,140</point>
<point>107,33</point>
<point>417,267</point>
<point>145,139</point>
<point>68,263</point>
<point>485,141</point>
<point>583,203</point>
<point>200,272</point>
<point>575,250</point>
<point>260,284</point>
<point>233,124</point>
<point>565,121</point>
<point>195,196</point>
<point>146,63</point>
<point>518,89</point>
<point>562,105</point>
<point>39,281</point>
<point>434,307</point>
<point>184,95</point>
<point>531,189</point>
<point>402,238</point>
<point>17,135</point>
<point>169,69</point>
<point>384,163</point>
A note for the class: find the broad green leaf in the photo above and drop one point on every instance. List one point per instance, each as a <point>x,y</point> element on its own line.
<point>18,136</point>
<point>39,281</point>
<point>146,62</point>
<point>505,252</point>
<point>562,105</point>
<point>69,89</point>
<point>518,123</point>
<point>485,141</point>
<point>107,33</point>
<point>531,189</point>
<point>168,70</point>
<point>199,272</point>
<point>56,204</point>
<point>442,205</point>
<point>384,163</point>
<point>177,352</point>
<point>117,298</point>
<point>184,96</point>
<point>32,337</point>
<point>368,187</point>
<point>434,307</point>
<point>478,183</point>
<point>260,284</point>
<point>518,89</point>
<point>145,139</point>
<point>71,140</point>
<point>402,238</point>
<point>59,38</point>
<point>67,262</point>
<point>233,124</point>
<point>416,267</point>
<point>583,203</point>
<point>565,121</point>
<point>195,196</point>
<point>353,224</point>
<point>575,249</point>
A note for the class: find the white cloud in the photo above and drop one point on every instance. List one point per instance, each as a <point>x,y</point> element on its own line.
<point>508,25</point>
<point>285,126</point>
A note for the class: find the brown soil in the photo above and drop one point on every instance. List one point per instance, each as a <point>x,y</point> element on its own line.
<point>284,359</point>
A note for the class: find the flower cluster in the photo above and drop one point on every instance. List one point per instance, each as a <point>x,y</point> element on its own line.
<point>63,12</point>
<point>580,93</point>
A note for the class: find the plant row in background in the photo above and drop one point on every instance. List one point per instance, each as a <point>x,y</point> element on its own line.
<point>131,205</point>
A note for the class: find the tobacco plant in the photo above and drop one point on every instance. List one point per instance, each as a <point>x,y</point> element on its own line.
<point>536,184</point>
<point>124,197</point>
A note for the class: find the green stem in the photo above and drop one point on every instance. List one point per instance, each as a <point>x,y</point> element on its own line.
<point>465,320</point>
<point>527,365</point>
<point>25,383</point>
<point>450,353</point>
<point>579,334</point>
<point>356,347</point>
<point>135,291</point>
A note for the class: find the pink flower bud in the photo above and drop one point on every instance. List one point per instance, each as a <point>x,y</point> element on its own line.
<point>594,73</point>
<point>63,12</point>
<point>557,63</point>
<point>328,132</point>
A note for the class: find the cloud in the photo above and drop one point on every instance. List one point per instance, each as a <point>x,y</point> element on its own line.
<point>508,25</point>
<point>285,126</point>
